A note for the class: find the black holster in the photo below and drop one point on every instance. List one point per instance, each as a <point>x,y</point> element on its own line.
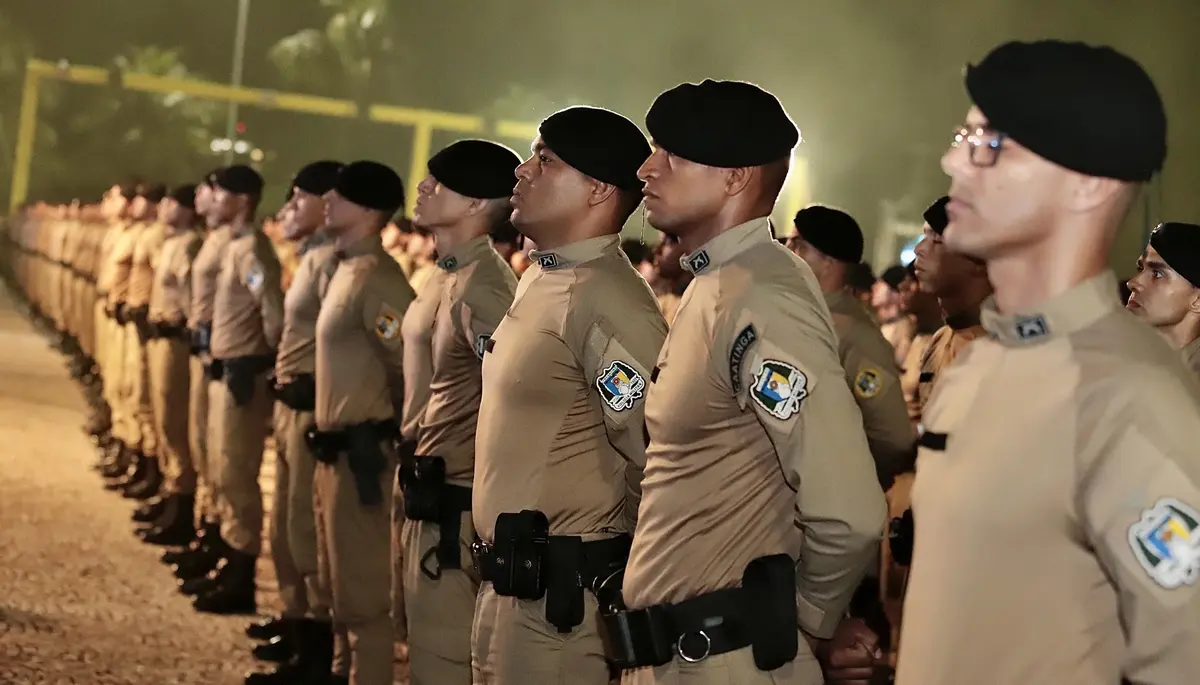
<point>363,445</point>
<point>120,314</point>
<point>215,369</point>
<point>140,316</point>
<point>902,537</point>
<point>428,497</point>
<point>241,374</point>
<point>760,614</point>
<point>298,394</point>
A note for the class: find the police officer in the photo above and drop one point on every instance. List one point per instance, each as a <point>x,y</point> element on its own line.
<point>464,198</point>
<point>560,439</point>
<point>359,397</point>
<point>960,284</point>
<point>117,455</point>
<point>1092,578</point>
<point>302,637</point>
<point>759,479</point>
<point>167,355</point>
<point>831,243</point>
<point>1166,289</point>
<point>246,326</point>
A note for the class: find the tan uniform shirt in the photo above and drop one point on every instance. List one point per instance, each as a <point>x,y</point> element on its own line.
<point>360,352</point>
<point>756,443</point>
<point>1191,357</point>
<point>248,303</point>
<point>668,303</point>
<point>1058,530</point>
<point>417,331</point>
<point>477,293</point>
<point>947,343</point>
<point>170,296</point>
<point>205,269</point>
<point>145,255</point>
<point>870,365</point>
<point>105,268</point>
<point>561,425</point>
<point>121,261</point>
<point>302,305</point>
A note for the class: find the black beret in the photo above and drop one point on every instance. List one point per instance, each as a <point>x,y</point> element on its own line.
<point>832,231</point>
<point>316,178</point>
<point>1179,246</point>
<point>722,124</point>
<point>152,192</point>
<point>860,276</point>
<point>1090,109</point>
<point>130,190</point>
<point>936,215</point>
<point>894,275</point>
<point>479,169</point>
<point>185,195</point>
<point>371,185</point>
<point>239,179</point>
<point>599,143</point>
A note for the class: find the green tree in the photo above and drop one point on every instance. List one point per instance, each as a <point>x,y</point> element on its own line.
<point>345,57</point>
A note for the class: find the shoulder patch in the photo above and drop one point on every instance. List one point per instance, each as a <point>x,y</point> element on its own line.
<point>1166,542</point>
<point>868,383</point>
<point>737,355</point>
<point>387,325</point>
<point>780,388</point>
<point>255,276</point>
<point>620,386</point>
<point>481,344</point>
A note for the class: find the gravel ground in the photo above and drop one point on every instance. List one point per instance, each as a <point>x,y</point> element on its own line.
<point>81,600</point>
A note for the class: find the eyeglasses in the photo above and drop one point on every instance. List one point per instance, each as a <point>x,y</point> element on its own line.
<point>983,144</point>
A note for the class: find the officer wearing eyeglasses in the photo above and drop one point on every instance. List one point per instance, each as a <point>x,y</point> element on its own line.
<point>1057,497</point>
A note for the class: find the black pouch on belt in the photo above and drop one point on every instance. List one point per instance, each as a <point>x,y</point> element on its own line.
<point>769,586</point>
<point>215,370</point>
<point>564,594</point>
<point>518,555</point>
<point>240,381</point>
<point>324,446</point>
<point>298,394</point>
<point>423,478</point>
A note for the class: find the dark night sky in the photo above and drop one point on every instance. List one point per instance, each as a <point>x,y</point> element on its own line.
<point>874,84</point>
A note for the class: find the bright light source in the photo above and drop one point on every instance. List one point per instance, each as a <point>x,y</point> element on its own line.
<point>215,145</point>
<point>256,155</point>
<point>241,147</point>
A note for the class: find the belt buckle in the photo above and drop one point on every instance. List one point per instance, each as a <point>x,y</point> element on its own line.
<point>691,659</point>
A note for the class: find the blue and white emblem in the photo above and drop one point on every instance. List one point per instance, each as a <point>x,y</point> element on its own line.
<point>620,386</point>
<point>1166,542</point>
<point>255,277</point>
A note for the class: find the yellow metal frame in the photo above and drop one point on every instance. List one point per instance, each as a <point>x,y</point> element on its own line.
<point>424,122</point>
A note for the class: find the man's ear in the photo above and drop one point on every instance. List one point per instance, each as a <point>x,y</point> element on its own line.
<point>737,179</point>
<point>600,192</point>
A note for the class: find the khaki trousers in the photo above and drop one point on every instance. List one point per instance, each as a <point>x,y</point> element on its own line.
<point>197,412</point>
<point>136,384</point>
<point>236,437</point>
<point>440,612</point>
<point>114,352</point>
<point>732,668</point>
<point>169,381</point>
<point>354,552</point>
<point>292,526</point>
<point>512,643</point>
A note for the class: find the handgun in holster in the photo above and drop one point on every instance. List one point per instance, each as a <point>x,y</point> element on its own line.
<point>367,462</point>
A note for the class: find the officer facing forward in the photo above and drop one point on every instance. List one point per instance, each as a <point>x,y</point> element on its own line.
<point>1166,289</point>
<point>465,196</point>
<point>759,480</point>
<point>1091,577</point>
<point>359,397</point>
<point>560,442</point>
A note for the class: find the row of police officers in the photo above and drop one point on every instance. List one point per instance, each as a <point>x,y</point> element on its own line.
<point>578,493</point>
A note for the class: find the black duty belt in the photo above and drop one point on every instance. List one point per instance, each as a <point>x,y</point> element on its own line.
<point>362,444</point>
<point>298,394</point>
<point>428,497</point>
<point>173,331</point>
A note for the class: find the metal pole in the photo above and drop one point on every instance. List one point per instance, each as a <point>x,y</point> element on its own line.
<point>239,54</point>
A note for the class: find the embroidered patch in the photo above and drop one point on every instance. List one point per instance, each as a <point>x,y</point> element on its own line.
<point>255,277</point>
<point>696,262</point>
<point>1166,542</point>
<point>737,355</point>
<point>620,386</point>
<point>448,263</point>
<point>387,325</point>
<point>868,383</point>
<point>547,260</point>
<point>481,344</point>
<point>780,388</point>
<point>1032,328</point>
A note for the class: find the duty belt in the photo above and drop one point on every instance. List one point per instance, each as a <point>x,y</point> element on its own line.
<point>298,394</point>
<point>432,499</point>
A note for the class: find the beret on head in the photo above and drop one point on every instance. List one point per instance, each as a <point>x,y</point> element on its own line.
<point>598,143</point>
<point>185,195</point>
<point>894,275</point>
<point>1089,109</point>
<point>832,231</point>
<point>129,190</point>
<point>316,178</point>
<point>371,185</point>
<point>1179,246</point>
<point>478,169</point>
<point>152,192</point>
<point>239,179</point>
<point>936,215</point>
<point>725,124</point>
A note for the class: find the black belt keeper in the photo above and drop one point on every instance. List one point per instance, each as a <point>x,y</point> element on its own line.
<point>298,394</point>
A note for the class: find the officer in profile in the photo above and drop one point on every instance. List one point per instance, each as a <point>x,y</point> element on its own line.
<point>560,438</point>
<point>360,394</point>
<point>1165,293</point>
<point>1092,578</point>
<point>761,508</point>
<point>463,199</point>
